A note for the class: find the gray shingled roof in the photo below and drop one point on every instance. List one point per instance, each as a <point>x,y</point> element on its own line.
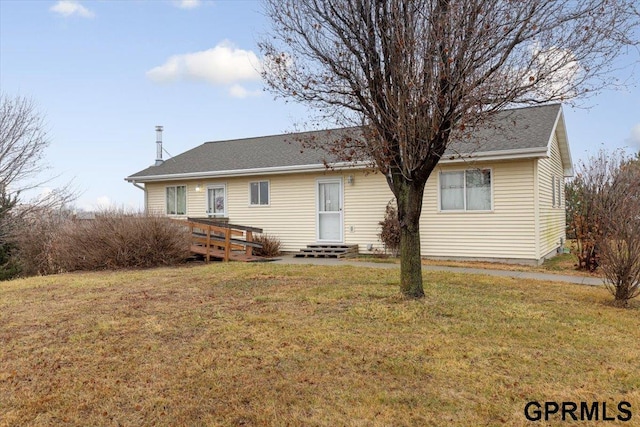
<point>525,128</point>
<point>521,129</point>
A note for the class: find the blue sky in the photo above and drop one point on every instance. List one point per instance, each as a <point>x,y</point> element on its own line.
<point>104,73</point>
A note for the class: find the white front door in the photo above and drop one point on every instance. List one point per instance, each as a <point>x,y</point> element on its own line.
<point>330,210</point>
<point>216,201</point>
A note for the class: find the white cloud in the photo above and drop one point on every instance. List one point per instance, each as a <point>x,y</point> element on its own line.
<point>222,65</point>
<point>560,71</point>
<point>634,136</point>
<point>103,202</point>
<point>187,4</point>
<point>68,8</point>
<point>238,91</point>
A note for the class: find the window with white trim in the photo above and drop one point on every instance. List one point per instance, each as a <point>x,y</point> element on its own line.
<point>468,190</point>
<point>216,200</point>
<point>176,200</point>
<point>259,193</point>
<point>553,191</point>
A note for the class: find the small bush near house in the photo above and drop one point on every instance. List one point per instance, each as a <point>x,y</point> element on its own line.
<point>390,233</point>
<point>271,245</point>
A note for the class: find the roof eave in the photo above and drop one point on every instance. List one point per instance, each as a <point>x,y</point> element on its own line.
<point>522,153</point>
<point>249,172</point>
<point>560,130</point>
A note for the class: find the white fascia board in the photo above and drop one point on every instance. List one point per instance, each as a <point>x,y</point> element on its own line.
<point>560,130</point>
<point>249,172</point>
<point>563,144</point>
<point>523,153</point>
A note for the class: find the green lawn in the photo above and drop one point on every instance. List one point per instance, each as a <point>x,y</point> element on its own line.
<point>263,344</point>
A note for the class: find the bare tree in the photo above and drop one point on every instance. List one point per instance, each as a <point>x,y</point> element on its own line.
<point>23,140</point>
<point>619,234</point>
<point>603,215</point>
<point>418,73</point>
<point>584,196</point>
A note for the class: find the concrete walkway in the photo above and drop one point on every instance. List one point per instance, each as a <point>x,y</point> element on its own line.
<point>591,281</point>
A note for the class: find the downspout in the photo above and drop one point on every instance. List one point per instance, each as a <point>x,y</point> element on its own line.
<point>135,184</point>
<point>536,209</point>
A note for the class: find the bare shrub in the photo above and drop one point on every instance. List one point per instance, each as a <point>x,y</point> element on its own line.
<point>271,245</point>
<point>619,237</point>
<point>49,244</point>
<point>122,241</point>
<point>621,268</point>
<point>587,197</point>
<point>582,224</point>
<point>37,237</point>
<point>390,232</point>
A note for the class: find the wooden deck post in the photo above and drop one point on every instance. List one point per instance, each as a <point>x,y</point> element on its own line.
<point>227,244</point>
<point>208,243</point>
<point>249,239</point>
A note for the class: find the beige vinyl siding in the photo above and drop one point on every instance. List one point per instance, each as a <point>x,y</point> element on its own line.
<point>508,231</point>
<point>365,202</point>
<point>156,198</point>
<point>292,211</point>
<point>552,218</point>
<point>290,214</point>
<point>197,200</point>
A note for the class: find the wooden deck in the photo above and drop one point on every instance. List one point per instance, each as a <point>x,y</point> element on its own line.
<point>226,242</point>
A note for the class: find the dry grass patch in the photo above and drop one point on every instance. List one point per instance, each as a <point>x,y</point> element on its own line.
<point>561,264</point>
<point>231,344</point>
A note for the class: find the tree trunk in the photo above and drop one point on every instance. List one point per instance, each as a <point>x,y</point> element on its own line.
<point>409,199</point>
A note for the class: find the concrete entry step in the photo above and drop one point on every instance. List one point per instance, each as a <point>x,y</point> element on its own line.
<point>327,251</point>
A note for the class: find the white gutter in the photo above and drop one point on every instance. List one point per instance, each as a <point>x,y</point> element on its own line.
<point>135,184</point>
<point>246,172</point>
<point>485,156</point>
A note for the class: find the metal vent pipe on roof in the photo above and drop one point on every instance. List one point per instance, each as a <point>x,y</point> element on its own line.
<point>159,160</point>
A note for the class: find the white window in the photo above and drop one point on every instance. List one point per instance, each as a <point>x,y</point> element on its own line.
<point>176,197</point>
<point>216,200</point>
<point>553,191</point>
<point>259,193</point>
<point>560,192</point>
<point>468,190</point>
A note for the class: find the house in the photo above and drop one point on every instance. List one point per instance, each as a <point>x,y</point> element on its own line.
<point>498,197</point>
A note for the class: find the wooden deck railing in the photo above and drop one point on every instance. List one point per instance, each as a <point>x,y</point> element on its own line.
<point>222,241</point>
